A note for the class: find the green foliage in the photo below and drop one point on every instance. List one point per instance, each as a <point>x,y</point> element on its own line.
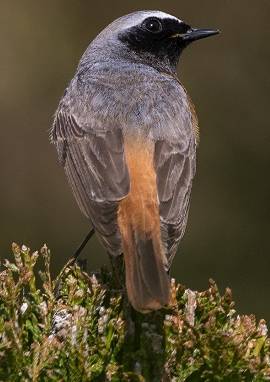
<point>79,328</point>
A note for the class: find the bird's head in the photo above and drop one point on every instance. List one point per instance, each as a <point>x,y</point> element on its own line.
<point>154,37</point>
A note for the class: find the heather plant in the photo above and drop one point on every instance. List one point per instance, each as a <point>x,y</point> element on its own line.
<point>80,327</point>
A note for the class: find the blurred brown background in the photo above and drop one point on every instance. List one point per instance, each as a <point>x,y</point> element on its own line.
<point>228,78</point>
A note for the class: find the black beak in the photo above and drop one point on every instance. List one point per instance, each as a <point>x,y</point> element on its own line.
<point>196,34</point>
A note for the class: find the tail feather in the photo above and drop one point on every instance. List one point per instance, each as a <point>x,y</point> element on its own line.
<point>147,281</point>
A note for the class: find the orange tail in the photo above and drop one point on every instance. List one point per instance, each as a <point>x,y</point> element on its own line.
<point>147,281</point>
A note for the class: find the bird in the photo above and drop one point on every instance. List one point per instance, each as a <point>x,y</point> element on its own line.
<point>126,133</point>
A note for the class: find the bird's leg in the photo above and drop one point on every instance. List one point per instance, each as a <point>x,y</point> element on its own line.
<point>82,245</point>
<point>118,270</point>
<point>72,261</point>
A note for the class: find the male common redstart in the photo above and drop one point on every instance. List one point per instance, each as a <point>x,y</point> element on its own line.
<point>126,133</point>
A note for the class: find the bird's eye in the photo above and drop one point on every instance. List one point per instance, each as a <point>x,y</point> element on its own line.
<point>152,25</point>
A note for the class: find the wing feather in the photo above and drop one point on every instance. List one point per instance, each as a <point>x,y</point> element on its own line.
<point>175,168</point>
<point>96,170</point>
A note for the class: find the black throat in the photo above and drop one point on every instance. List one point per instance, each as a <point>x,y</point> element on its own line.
<point>164,47</point>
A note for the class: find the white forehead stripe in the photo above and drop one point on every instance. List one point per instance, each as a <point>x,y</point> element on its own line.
<point>162,15</point>
<point>138,18</point>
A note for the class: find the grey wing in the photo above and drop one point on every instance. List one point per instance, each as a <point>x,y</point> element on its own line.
<point>97,172</point>
<point>175,167</point>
